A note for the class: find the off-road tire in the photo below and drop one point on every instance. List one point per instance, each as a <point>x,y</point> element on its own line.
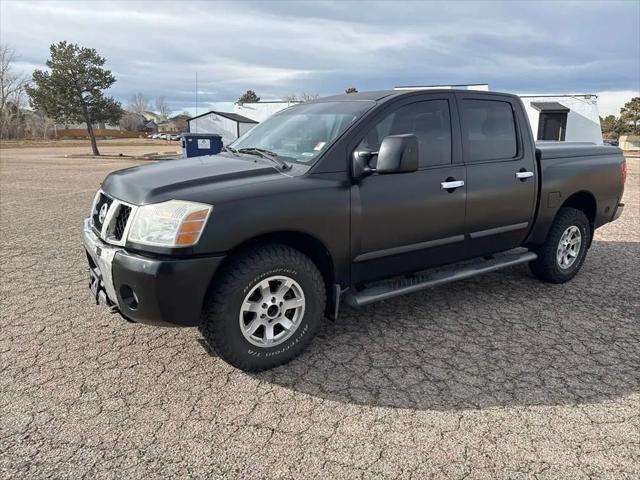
<point>546,267</point>
<point>220,325</point>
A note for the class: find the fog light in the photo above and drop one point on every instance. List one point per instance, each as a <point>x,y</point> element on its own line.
<point>129,297</point>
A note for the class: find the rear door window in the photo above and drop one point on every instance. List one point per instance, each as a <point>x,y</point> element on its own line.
<point>489,131</point>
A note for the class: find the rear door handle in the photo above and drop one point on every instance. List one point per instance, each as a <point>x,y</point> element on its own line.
<point>523,175</point>
<point>453,184</point>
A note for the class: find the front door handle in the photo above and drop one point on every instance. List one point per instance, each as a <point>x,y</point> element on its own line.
<point>524,174</point>
<point>452,184</point>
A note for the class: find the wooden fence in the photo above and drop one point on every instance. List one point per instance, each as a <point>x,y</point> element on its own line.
<point>99,132</point>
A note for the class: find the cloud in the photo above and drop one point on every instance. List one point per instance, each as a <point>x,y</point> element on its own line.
<point>277,48</point>
<point>610,103</point>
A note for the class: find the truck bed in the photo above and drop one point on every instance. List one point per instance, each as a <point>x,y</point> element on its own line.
<point>576,169</point>
<point>548,150</point>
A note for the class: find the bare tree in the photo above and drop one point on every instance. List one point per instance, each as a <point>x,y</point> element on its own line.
<point>11,90</point>
<point>37,124</point>
<point>138,103</point>
<point>13,125</point>
<point>303,97</point>
<point>162,107</point>
<point>308,96</point>
<point>133,122</point>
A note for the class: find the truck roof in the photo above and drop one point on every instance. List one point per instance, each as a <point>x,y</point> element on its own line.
<point>385,95</point>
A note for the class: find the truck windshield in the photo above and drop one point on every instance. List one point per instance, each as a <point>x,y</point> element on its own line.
<point>301,133</point>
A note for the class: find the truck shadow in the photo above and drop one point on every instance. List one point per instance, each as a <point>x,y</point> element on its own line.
<point>504,339</point>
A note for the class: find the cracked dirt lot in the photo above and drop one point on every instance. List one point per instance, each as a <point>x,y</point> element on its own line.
<point>496,377</point>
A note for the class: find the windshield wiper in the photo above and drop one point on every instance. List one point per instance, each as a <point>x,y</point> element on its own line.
<point>269,155</point>
<point>231,150</point>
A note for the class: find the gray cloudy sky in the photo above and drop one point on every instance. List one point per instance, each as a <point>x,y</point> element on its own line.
<point>278,48</point>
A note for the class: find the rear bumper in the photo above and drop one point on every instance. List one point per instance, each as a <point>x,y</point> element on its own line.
<point>618,212</point>
<point>151,290</point>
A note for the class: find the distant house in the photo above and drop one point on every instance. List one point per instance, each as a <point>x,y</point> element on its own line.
<point>177,124</point>
<point>228,125</point>
<point>151,126</point>
<point>152,116</point>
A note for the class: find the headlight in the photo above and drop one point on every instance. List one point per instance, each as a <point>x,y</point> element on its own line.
<point>175,223</point>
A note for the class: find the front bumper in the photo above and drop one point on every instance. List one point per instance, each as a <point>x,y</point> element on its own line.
<point>152,290</point>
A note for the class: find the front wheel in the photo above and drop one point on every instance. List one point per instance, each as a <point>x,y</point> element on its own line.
<point>563,252</point>
<point>265,308</point>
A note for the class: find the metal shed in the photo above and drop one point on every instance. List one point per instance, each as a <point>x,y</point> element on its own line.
<point>229,126</point>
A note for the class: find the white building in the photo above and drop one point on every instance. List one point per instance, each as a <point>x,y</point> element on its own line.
<point>229,126</point>
<point>260,111</point>
<point>483,87</point>
<point>565,118</point>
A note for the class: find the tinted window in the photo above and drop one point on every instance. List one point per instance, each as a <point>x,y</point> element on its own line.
<point>489,130</point>
<point>429,121</point>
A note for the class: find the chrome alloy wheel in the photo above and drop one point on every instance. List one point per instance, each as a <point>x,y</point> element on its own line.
<point>272,311</point>
<point>569,247</point>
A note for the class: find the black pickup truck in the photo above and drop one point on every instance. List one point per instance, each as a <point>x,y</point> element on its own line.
<point>347,199</point>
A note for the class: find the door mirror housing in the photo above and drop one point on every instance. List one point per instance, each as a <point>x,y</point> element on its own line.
<point>398,154</point>
<point>360,166</point>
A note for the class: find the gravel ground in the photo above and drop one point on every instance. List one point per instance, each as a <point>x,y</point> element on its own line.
<point>496,377</point>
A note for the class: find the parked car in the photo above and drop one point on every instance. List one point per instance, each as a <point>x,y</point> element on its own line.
<point>610,141</point>
<point>354,198</point>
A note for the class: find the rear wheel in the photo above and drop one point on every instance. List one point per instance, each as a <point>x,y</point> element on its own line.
<point>562,254</point>
<point>265,308</point>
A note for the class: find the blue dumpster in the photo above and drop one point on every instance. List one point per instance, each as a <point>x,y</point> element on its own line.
<point>198,144</point>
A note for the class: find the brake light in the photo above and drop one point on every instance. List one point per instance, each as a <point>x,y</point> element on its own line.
<point>623,171</point>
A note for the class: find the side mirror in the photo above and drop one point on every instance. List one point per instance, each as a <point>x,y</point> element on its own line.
<point>360,167</point>
<point>398,154</point>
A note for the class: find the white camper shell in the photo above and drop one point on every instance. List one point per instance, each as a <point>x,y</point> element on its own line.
<point>564,118</point>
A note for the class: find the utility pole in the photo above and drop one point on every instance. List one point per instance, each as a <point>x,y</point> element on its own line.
<point>196,100</point>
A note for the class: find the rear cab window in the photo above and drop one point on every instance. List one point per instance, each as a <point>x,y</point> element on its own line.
<point>488,130</point>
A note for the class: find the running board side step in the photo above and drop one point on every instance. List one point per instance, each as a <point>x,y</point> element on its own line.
<point>441,277</point>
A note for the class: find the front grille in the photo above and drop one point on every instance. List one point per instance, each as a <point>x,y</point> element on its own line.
<point>121,221</point>
<point>117,213</point>
<point>100,207</point>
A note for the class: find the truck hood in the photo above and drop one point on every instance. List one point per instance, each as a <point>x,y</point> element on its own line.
<point>167,179</point>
